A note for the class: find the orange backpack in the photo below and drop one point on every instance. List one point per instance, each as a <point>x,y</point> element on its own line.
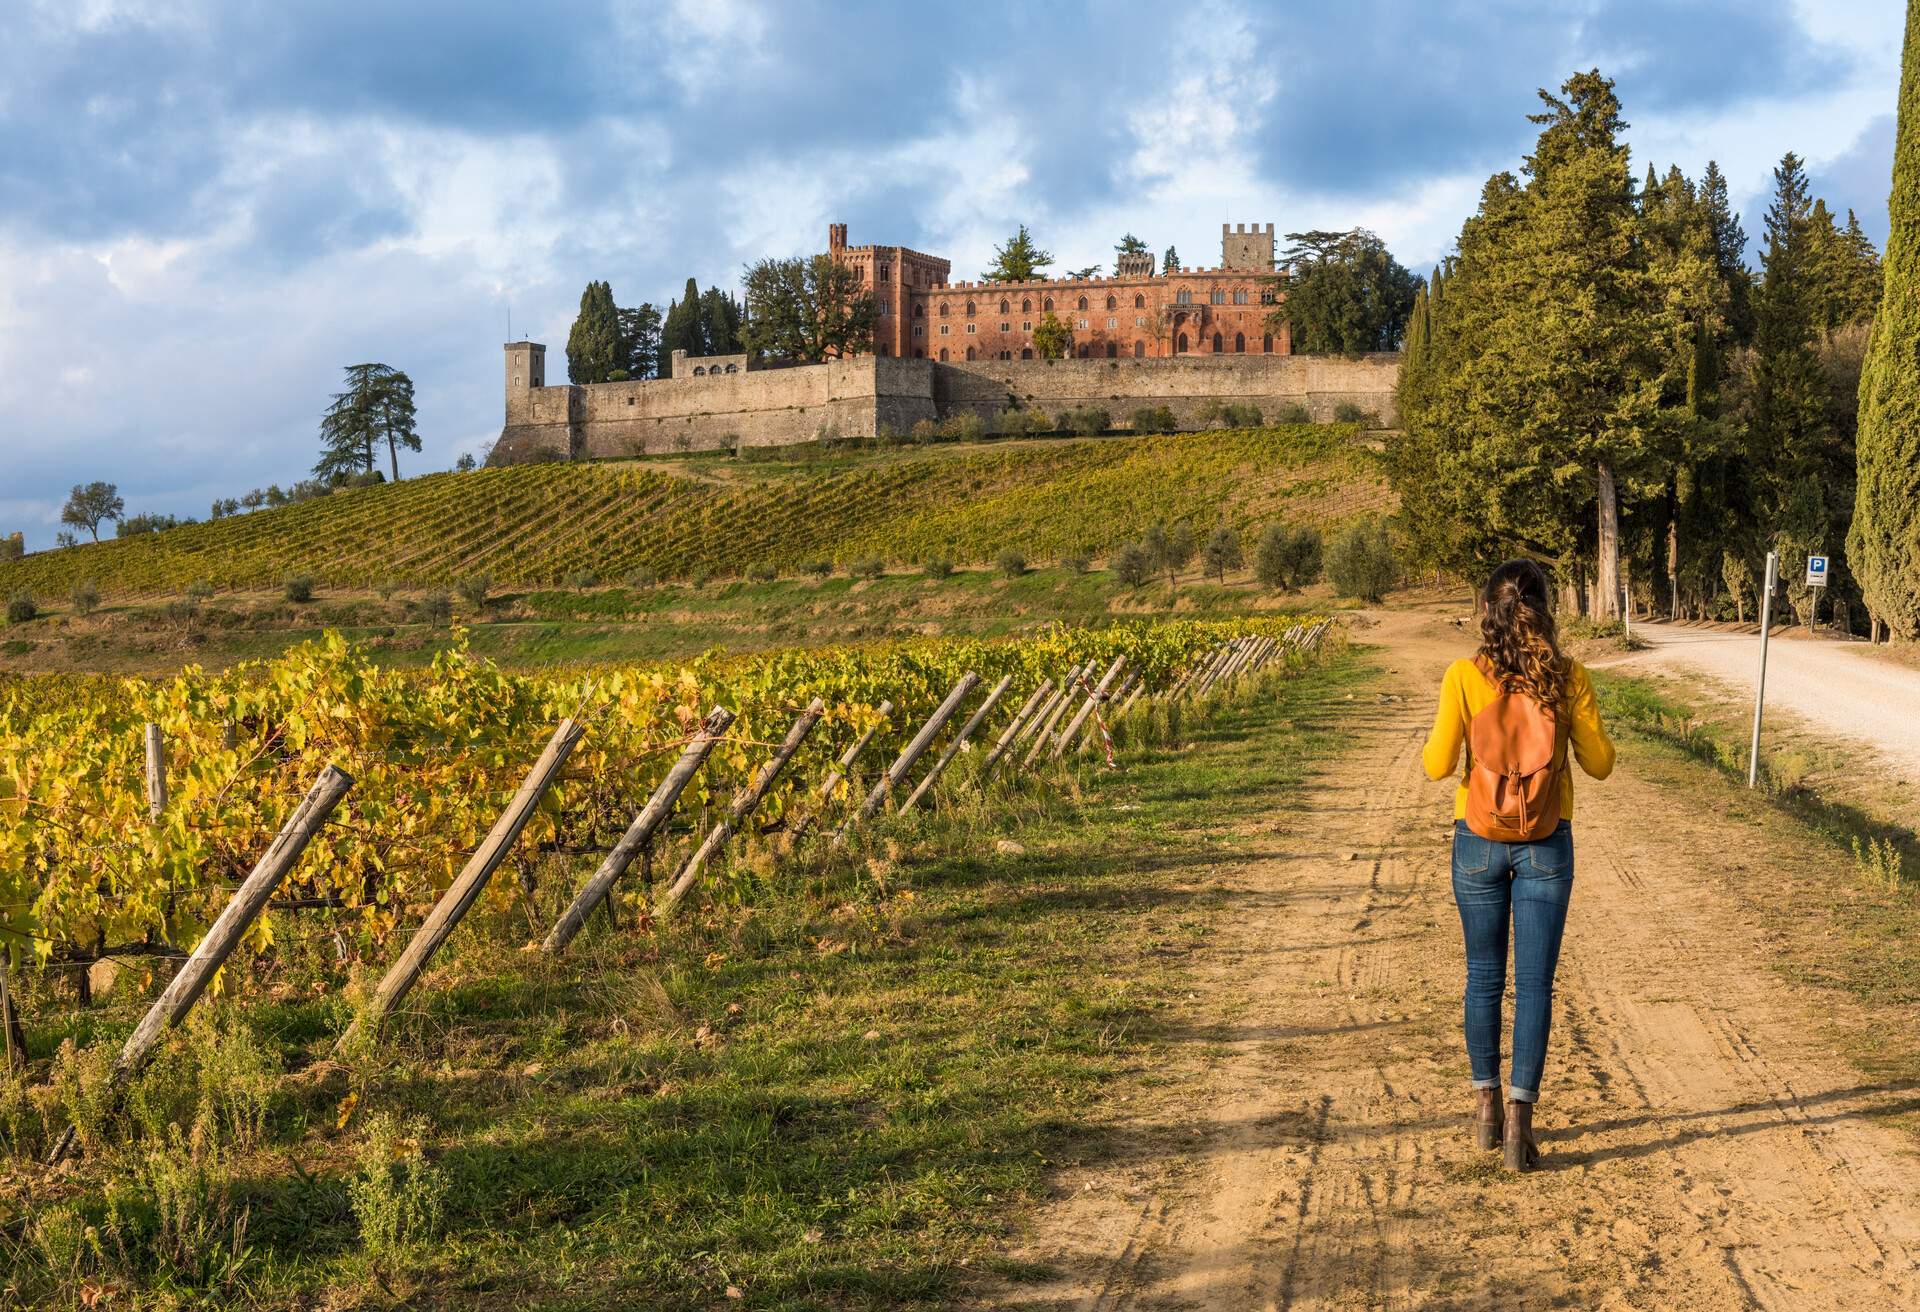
<point>1516,750</point>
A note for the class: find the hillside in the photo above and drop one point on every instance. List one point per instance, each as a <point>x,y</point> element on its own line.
<point>538,523</point>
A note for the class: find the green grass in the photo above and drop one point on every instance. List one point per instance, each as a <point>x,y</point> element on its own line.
<point>532,525</point>
<point>838,1087</point>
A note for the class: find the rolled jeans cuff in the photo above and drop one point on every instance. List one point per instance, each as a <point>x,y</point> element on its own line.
<point>1486,1084</point>
<point>1517,1094</point>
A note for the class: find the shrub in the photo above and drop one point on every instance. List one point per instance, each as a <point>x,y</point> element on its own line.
<point>1361,562</point>
<point>85,598</point>
<point>1243,416</point>
<point>871,568</point>
<point>820,568</point>
<point>1015,422</point>
<point>580,580</point>
<point>762,573</point>
<point>1079,562</point>
<point>1292,413</point>
<point>473,589</point>
<point>925,430</point>
<point>20,608</point>
<point>1169,548</point>
<point>642,578</point>
<point>1087,421</point>
<point>1212,412</point>
<point>1133,565</point>
<point>465,464</point>
<point>1349,413</point>
<point>1011,563</point>
<point>297,587</point>
<point>437,606</point>
<point>1222,552</point>
<point>701,577</point>
<point>939,567</point>
<point>963,427</point>
<point>1154,419</point>
<point>398,1196</point>
<point>199,592</point>
<point>1288,558</point>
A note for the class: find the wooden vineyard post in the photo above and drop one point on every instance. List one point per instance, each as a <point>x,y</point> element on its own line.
<point>959,741</point>
<point>744,803</point>
<point>16,1037</point>
<point>242,909</point>
<point>1219,669</point>
<point>1130,690</point>
<point>1012,731</point>
<point>1062,698</point>
<point>1197,676</point>
<point>848,757</point>
<point>909,754</point>
<point>640,833</point>
<point>1094,698</point>
<point>1045,710</point>
<point>472,879</point>
<point>156,773</point>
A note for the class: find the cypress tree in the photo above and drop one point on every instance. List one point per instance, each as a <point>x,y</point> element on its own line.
<point>593,344</point>
<point>1883,545</point>
<point>681,329</point>
<point>1730,251</point>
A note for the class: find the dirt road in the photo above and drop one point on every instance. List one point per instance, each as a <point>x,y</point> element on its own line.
<point>1704,1147</point>
<point>1838,689</point>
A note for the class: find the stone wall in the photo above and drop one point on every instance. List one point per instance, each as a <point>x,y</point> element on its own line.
<point>771,407</point>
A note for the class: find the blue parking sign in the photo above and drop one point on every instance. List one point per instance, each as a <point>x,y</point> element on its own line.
<point>1816,571</point>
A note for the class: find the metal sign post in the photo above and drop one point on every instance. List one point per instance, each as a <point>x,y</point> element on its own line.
<point>1760,688</point>
<point>1816,578</point>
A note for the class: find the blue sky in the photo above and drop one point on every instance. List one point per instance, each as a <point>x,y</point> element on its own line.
<point>208,207</point>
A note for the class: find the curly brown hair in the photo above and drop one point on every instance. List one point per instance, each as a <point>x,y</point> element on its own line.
<point>1517,634</point>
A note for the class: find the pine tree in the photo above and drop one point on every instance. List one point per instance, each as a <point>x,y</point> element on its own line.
<point>1019,260</point>
<point>376,406</point>
<point>1130,245</point>
<point>719,323</point>
<point>640,341</point>
<point>1730,251</point>
<point>681,330</point>
<point>593,344</point>
<point>1170,263</point>
<point>1883,543</point>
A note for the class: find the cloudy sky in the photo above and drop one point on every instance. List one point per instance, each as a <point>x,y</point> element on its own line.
<point>208,207</point>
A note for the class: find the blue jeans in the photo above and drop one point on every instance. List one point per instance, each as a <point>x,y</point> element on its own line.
<point>1529,883</point>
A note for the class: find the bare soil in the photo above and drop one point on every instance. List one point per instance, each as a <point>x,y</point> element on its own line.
<point>1706,1144</point>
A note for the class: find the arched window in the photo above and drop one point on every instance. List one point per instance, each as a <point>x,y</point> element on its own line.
<point>945,309</point>
<point>1047,304</point>
<point>733,368</point>
<point>883,273</point>
<point>1216,343</point>
<point>1266,343</point>
<point>969,353</point>
<point>919,354</point>
<point>1005,306</point>
<point>1026,306</point>
<point>969,309</point>
<point>943,355</point>
<point>1139,301</point>
<point>699,370</point>
<point>1083,350</point>
<point>1180,344</point>
<point>1113,350</point>
<point>919,311</point>
<point>1139,349</point>
<point>1240,343</point>
<point>1083,304</point>
<point>1113,302</point>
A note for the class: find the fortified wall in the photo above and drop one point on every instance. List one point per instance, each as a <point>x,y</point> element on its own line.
<point>713,403</point>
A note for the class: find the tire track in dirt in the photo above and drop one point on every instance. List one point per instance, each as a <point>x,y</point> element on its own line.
<point>1704,1148</point>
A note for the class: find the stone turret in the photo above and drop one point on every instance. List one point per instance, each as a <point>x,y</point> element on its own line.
<point>1246,247</point>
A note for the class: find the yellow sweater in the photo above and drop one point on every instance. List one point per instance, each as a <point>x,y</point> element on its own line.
<point>1465,691</point>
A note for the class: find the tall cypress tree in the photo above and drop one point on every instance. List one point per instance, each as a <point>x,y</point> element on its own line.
<point>681,330</point>
<point>1883,544</point>
<point>593,345</point>
<point>1730,251</point>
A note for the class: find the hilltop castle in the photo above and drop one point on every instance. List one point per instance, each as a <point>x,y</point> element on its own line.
<point>1183,339</point>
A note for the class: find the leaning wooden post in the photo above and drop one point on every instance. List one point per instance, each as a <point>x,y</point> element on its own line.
<point>1130,690</point>
<point>156,773</point>
<point>472,879</point>
<point>10,1018</point>
<point>848,757</point>
<point>242,909</point>
<point>744,803</point>
<point>1195,685</point>
<point>959,741</point>
<point>640,833</point>
<point>1218,673</point>
<point>1062,700</point>
<point>1085,713</point>
<point>1012,731</point>
<point>1041,716</point>
<point>909,754</point>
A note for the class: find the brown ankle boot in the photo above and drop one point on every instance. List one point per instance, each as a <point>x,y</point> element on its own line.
<point>1486,1121</point>
<point>1522,1153</point>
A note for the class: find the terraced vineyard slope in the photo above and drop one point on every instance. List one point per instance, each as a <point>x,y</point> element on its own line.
<point>538,523</point>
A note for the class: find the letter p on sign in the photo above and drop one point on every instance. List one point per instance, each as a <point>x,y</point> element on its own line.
<point>1816,571</point>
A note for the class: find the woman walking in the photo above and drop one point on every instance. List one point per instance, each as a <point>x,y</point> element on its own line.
<point>1519,707</point>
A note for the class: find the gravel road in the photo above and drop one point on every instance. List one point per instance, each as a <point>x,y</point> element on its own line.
<point>1841,689</point>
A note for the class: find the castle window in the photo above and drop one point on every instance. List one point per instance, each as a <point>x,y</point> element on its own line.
<point>1026,326</point>
<point>946,329</point>
<point>1026,353</point>
<point>1006,327</point>
<point>1139,321</point>
<point>969,353</point>
<point>1112,322</point>
<point>969,309</point>
<point>945,309</point>
<point>1240,297</point>
<point>733,369</point>
<point>919,310</point>
<point>699,370</point>
<point>1047,304</point>
<point>943,355</point>
<point>1183,297</point>
<point>919,354</point>
<point>1026,306</point>
<point>883,273</point>
<point>629,400</point>
<point>1180,344</point>
<point>1139,301</point>
<point>919,330</point>
<point>1139,349</point>
<point>973,327</point>
<point>1082,305</point>
<point>1083,350</point>
<point>1216,343</point>
<point>1266,296</point>
<point>1006,355</point>
<point>1112,303</point>
<point>1239,343</point>
<point>1005,308</point>
<point>1080,323</point>
<point>1218,297</point>
<point>1266,343</point>
<point>1113,349</point>
<point>883,351</point>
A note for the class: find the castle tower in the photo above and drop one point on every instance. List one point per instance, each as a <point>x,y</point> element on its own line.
<point>1134,266</point>
<point>526,369</point>
<point>836,239</point>
<point>1246,247</point>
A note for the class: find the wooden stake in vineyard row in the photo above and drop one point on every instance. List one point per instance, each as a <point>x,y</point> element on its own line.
<point>640,833</point>
<point>744,803</point>
<point>1061,700</point>
<point>1021,719</point>
<point>959,741</point>
<point>909,754</point>
<point>156,773</point>
<point>1094,698</point>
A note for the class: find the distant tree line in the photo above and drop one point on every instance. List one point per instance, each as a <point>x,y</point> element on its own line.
<point>608,344</point>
